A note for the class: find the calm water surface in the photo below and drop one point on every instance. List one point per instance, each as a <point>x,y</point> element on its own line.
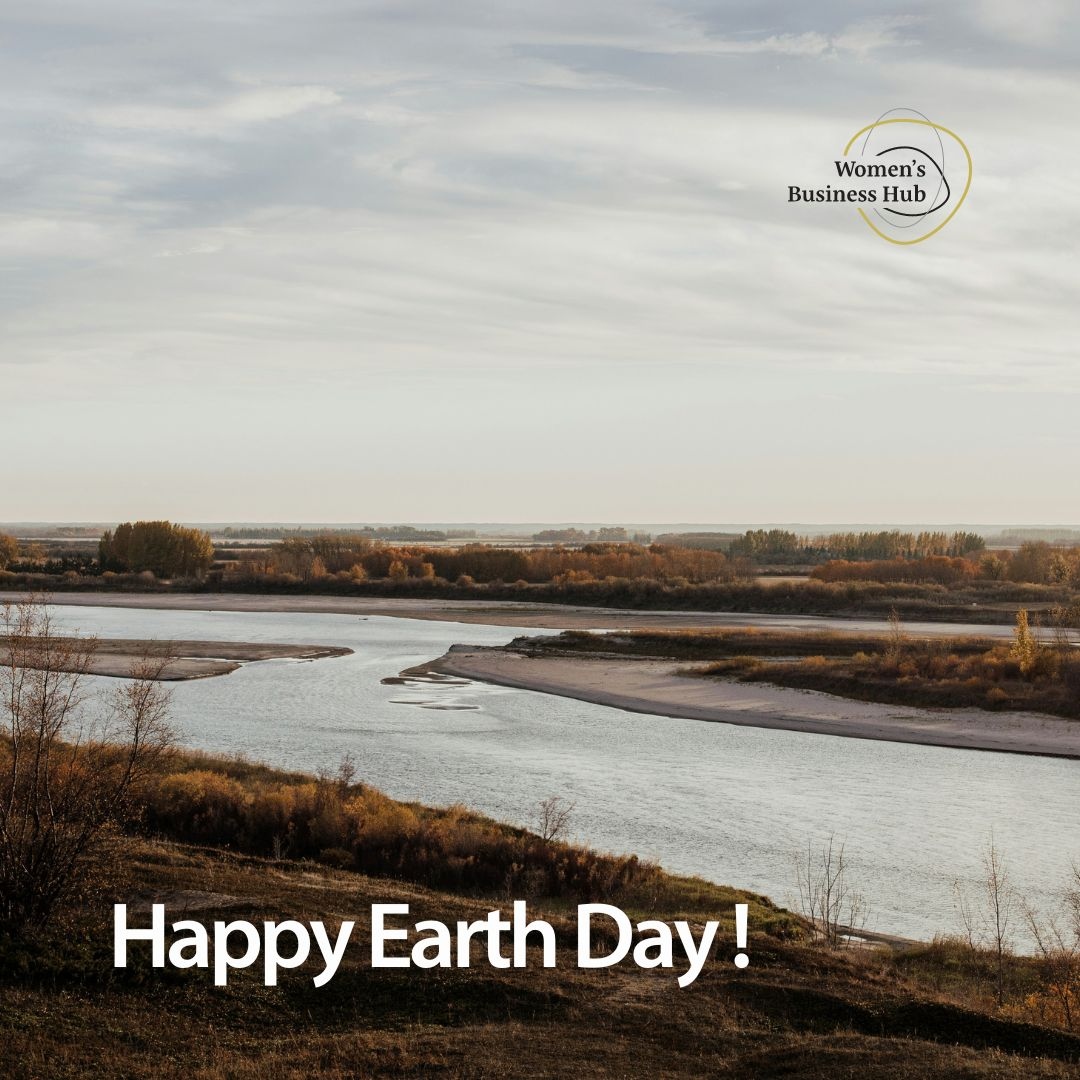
<point>729,803</point>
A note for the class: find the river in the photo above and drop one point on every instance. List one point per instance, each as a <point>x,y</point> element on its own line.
<point>729,803</point>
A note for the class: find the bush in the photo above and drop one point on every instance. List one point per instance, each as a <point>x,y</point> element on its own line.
<point>357,827</point>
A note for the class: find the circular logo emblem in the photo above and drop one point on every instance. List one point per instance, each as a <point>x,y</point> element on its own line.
<point>911,175</point>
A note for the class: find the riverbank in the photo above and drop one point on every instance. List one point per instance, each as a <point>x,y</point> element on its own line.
<point>799,1010</point>
<point>656,687</point>
<point>644,586</point>
<point>497,612</point>
<point>890,1009</point>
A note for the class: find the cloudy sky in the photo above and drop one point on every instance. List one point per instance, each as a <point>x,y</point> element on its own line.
<point>436,261</point>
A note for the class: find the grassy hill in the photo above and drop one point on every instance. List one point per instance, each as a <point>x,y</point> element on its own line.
<point>799,1010</point>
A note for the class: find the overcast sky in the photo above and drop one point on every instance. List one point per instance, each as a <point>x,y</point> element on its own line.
<point>311,260</point>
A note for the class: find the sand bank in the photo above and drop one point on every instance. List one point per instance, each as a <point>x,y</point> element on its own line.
<point>655,686</point>
<point>119,657</point>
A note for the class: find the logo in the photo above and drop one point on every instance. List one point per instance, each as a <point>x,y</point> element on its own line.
<point>905,175</point>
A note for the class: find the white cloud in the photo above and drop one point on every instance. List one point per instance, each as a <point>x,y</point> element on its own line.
<point>388,223</point>
<point>1036,22</point>
<point>55,238</point>
<point>255,106</point>
<point>869,35</point>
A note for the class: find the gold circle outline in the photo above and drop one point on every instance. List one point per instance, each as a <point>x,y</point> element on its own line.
<point>963,194</point>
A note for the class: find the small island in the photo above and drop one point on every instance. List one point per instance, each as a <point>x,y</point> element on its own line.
<point>966,692</point>
<point>174,660</point>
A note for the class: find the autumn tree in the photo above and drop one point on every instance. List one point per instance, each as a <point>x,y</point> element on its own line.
<point>9,550</point>
<point>897,638</point>
<point>1025,646</point>
<point>161,547</point>
<point>1032,563</point>
<point>764,544</point>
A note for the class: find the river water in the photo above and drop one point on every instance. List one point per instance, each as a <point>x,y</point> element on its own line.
<point>729,803</point>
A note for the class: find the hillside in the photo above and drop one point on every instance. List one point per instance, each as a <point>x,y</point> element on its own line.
<point>798,1010</point>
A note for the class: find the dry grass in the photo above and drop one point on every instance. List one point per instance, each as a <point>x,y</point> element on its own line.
<point>797,1012</point>
<point>725,643</point>
<point>931,675</point>
<point>938,672</point>
<point>256,810</point>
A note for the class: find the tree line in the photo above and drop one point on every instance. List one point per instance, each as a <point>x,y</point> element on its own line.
<point>764,545</point>
<point>1035,563</point>
<point>606,534</point>
<point>172,551</point>
<point>360,559</point>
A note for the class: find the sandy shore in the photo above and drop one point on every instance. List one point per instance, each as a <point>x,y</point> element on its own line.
<point>498,613</point>
<point>119,657</point>
<point>654,686</point>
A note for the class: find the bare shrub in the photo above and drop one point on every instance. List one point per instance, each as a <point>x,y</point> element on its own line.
<point>987,913</point>
<point>554,818</point>
<point>826,894</point>
<point>68,772</point>
<point>1057,941</point>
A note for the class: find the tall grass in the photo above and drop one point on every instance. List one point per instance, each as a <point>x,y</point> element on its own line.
<point>252,809</point>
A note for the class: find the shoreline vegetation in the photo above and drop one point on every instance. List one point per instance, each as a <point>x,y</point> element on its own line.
<point>990,603</point>
<point>1032,673</point>
<point>929,575</point>
<point>966,693</point>
<point>516,613</point>
<point>336,820</point>
<point>227,838</point>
